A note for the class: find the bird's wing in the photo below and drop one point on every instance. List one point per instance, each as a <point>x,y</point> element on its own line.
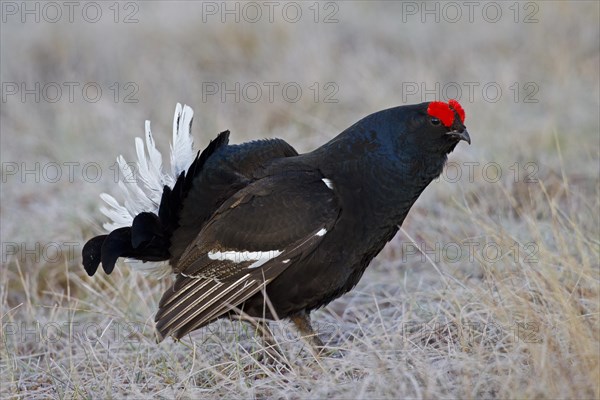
<point>228,170</point>
<point>255,235</point>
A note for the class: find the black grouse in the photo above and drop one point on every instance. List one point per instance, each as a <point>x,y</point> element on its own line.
<point>237,221</point>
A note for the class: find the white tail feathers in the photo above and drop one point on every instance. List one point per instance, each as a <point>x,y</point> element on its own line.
<point>142,183</point>
<point>182,149</point>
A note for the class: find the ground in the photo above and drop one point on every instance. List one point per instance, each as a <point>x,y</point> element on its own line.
<point>491,288</point>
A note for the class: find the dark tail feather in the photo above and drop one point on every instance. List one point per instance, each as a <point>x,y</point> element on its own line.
<point>143,241</point>
<point>91,254</point>
<point>108,248</point>
<point>117,244</point>
<point>146,228</point>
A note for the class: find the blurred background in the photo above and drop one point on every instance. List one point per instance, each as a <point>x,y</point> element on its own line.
<point>80,78</point>
<point>78,92</point>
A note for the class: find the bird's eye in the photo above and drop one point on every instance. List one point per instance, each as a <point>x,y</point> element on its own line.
<point>435,121</point>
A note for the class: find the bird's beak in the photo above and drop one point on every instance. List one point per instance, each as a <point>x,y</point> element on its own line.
<point>461,135</point>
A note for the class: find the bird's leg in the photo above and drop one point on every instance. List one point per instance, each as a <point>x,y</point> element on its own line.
<point>262,328</point>
<point>302,322</point>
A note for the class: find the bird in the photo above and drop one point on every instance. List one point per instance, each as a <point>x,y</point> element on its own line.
<point>260,230</point>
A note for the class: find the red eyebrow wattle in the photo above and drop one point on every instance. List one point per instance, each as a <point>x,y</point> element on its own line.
<point>441,111</point>
<point>455,105</point>
<point>445,111</point>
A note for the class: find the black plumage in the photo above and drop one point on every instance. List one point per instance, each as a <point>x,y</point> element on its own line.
<point>258,218</point>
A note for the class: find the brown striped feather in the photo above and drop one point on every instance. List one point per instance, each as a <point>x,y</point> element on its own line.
<point>182,310</point>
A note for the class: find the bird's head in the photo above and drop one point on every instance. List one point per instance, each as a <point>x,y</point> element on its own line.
<point>450,116</point>
<point>426,132</point>
<point>440,126</point>
<point>435,126</point>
